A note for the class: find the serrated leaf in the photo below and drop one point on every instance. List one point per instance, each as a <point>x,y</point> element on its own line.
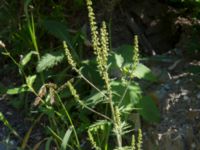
<point>30,80</point>
<point>49,61</point>
<point>100,124</point>
<point>95,98</point>
<point>18,90</point>
<point>141,72</point>
<point>148,109</point>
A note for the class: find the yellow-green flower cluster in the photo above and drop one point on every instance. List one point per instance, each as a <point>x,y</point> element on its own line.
<point>99,42</point>
<point>92,141</point>
<point>69,56</point>
<point>133,143</point>
<point>140,141</point>
<point>73,91</point>
<point>118,126</point>
<point>93,27</point>
<point>118,118</point>
<point>104,46</point>
<point>135,52</point>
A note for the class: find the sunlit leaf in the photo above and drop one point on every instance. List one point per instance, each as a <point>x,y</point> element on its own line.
<point>143,72</point>
<point>27,58</point>
<point>30,80</point>
<point>66,138</point>
<point>18,90</point>
<point>49,61</point>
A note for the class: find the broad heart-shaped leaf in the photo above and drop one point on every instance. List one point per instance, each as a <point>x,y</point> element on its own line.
<point>132,96</point>
<point>27,58</point>
<point>49,60</point>
<point>124,56</point>
<point>148,109</point>
<point>141,72</point>
<point>115,60</point>
<point>120,55</point>
<point>18,90</point>
<point>144,72</point>
<point>119,60</point>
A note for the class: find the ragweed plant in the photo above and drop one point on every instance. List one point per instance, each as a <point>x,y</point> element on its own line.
<point>108,102</point>
<point>101,48</point>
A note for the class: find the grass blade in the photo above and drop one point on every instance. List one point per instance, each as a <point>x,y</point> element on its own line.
<point>66,138</point>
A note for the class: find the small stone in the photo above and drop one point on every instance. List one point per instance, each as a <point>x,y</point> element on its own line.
<point>198,95</point>
<point>193,145</point>
<point>177,82</point>
<point>186,98</point>
<point>167,87</point>
<point>184,92</point>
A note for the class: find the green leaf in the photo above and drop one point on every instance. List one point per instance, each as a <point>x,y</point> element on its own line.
<point>148,109</point>
<point>49,61</point>
<point>18,90</point>
<point>143,72</point>
<point>48,143</point>
<point>30,80</point>
<point>89,70</point>
<point>126,51</point>
<point>7,124</point>
<point>27,58</point>
<point>95,98</point>
<point>119,60</point>
<point>26,3</point>
<point>131,98</point>
<point>100,124</point>
<point>66,138</point>
<point>56,28</point>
